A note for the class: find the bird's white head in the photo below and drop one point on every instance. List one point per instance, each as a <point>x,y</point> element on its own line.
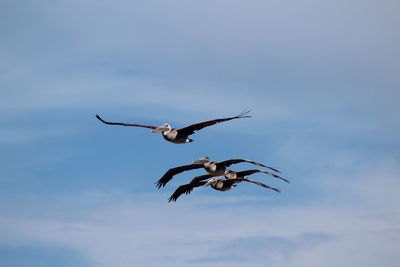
<point>163,128</point>
<point>202,160</point>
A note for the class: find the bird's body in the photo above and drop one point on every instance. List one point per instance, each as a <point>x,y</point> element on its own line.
<point>175,136</point>
<point>178,135</point>
<point>223,185</point>
<point>215,169</point>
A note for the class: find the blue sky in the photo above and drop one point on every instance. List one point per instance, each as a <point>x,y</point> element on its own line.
<point>321,78</point>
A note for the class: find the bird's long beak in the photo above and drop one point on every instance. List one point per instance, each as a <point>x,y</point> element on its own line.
<point>160,129</point>
<point>197,161</point>
<point>211,181</point>
<point>201,161</point>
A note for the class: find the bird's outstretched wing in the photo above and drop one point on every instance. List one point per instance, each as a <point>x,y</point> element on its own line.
<point>250,172</point>
<point>198,126</point>
<point>184,189</point>
<point>171,172</point>
<point>125,124</point>
<point>229,162</point>
<point>257,183</point>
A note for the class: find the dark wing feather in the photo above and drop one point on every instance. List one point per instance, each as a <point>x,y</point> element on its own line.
<point>201,178</point>
<point>257,183</point>
<point>184,189</point>
<point>198,126</point>
<point>125,124</point>
<point>171,172</point>
<point>250,172</point>
<point>229,162</point>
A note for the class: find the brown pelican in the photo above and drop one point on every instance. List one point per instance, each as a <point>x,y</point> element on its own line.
<point>178,135</point>
<point>218,184</point>
<point>213,168</point>
<point>229,174</point>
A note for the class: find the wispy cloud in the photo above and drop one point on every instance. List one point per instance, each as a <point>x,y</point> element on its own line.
<point>264,250</point>
<point>147,229</point>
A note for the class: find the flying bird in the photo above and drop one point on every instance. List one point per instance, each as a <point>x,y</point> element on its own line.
<point>218,184</point>
<point>230,174</point>
<point>178,135</point>
<point>213,168</point>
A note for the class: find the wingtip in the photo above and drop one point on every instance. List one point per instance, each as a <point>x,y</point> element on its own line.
<point>280,177</point>
<point>159,184</point>
<point>276,190</point>
<point>243,114</point>
<point>99,118</point>
<point>246,111</point>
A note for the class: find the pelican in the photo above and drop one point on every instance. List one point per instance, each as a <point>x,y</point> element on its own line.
<point>212,168</point>
<point>230,174</point>
<point>178,135</point>
<point>218,184</point>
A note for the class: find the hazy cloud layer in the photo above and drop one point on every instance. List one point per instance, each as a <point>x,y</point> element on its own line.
<point>321,79</point>
<point>346,227</point>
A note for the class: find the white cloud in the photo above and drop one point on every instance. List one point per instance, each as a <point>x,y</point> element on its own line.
<point>342,229</point>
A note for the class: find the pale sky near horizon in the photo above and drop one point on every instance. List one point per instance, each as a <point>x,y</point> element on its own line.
<point>322,79</point>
